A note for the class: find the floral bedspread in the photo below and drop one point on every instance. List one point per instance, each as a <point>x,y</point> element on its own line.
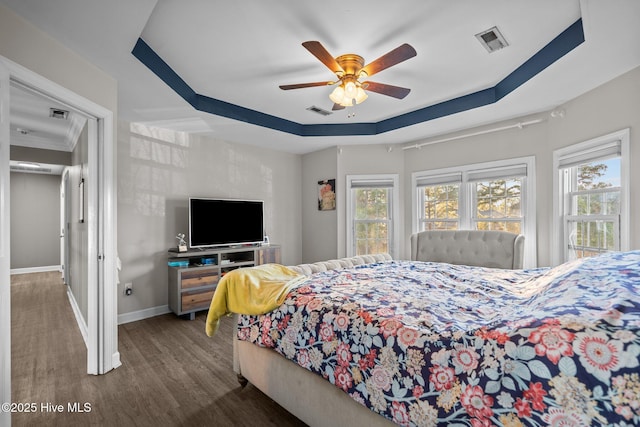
<point>429,344</point>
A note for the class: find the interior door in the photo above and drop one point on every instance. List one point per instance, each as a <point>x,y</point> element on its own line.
<point>5,241</point>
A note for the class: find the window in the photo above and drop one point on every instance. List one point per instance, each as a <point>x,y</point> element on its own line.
<point>372,215</point>
<point>497,198</point>
<point>487,196</point>
<point>591,197</point>
<point>439,202</point>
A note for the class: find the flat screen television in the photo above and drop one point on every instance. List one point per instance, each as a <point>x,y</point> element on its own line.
<point>225,222</point>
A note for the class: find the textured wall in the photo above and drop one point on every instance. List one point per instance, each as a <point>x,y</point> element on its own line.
<point>159,170</point>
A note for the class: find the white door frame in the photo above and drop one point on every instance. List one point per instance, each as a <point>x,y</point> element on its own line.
<point>64,232</point>
<point>5,246</point>
<point>102,346</point>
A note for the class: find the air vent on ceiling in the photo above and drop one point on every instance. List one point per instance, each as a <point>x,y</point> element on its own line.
<point>492,39</point>
<point>57,113</point>
<point>319,110</point>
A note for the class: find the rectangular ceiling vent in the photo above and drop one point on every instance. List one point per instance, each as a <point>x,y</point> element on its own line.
<point>492,39</point>
<point>57,113</point>
<point>319,110</point>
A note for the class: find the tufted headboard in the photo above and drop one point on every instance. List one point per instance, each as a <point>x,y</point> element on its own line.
<point>496,249</point>
<point>335,264</point>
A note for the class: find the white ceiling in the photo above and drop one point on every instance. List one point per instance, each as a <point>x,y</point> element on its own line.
<point>240,52</point>
<point>41,122</point>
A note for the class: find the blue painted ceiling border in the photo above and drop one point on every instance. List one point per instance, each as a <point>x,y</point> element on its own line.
<point>568,40</point>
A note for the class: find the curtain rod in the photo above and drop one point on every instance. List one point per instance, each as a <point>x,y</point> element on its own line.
<point>518,125</point>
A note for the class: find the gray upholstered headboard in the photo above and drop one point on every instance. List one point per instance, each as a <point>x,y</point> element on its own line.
<point>496,249</point>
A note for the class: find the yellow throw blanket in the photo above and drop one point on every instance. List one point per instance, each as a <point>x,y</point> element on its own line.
<point>254,290</point>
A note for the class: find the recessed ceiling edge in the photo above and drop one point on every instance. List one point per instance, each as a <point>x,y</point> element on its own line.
<point>565,42</point>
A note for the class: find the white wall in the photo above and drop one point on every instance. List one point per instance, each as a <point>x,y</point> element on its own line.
<point>608,108</point>
<point>365,160</point>
<point>157,172</point>
<point>319,228</point>
<point>35,220</point>
<point>35,50</point>
<point>78,233</point>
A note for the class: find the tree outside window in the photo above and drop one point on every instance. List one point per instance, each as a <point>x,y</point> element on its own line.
<point>372,220</point>
<point>441,205</point>
<point>593,208</point>
<point>499,205</point>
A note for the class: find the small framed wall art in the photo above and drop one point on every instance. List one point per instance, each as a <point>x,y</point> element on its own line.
<point>327,195</point>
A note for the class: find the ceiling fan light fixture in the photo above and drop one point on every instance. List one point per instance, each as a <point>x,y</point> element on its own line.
<point>361,95</point>
<point>350,89</point>
<point>350,68</point>
<point>337,96</point>
<point>347,102</point>
<point>348,93</point>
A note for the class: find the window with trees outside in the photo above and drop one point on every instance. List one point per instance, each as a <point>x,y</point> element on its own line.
<point>486,196</point>
<point>498,205</point>
<point>440,201</point>
<point>591,189</point>
<point>372,214</point>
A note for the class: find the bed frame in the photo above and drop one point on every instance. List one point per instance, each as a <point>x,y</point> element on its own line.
<point>315,400</point>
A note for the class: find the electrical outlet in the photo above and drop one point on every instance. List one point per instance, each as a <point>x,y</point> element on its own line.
<point>128,288</point>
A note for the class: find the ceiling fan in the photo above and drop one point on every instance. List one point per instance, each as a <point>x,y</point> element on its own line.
<point>352,73</point>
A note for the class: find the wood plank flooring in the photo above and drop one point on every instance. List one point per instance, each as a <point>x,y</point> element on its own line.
<point>172,373</point>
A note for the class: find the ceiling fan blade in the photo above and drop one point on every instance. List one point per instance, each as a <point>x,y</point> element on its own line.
<point>337,107</point>
<point>303,85</point>
<point>389,90</point>
<point>396,56</point>
<point>323,55</point>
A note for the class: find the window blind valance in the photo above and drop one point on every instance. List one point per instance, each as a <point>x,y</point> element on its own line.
<point>601,152</point>
<point>372,183</point>
<point>512,171</point>
<point>452,178</point>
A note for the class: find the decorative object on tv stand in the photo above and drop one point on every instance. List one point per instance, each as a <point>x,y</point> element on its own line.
<point>182,244</point>
<point>327,195</point>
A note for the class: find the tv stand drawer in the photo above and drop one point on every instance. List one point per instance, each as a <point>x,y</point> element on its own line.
<point>196,300</point>
<point>200,277</point>
<point>194,275</point>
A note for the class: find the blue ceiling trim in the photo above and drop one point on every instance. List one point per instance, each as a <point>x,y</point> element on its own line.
<point>236,112</point>
<point>556,49</point>
<point>446,108</point>
<point>148,57</point>
<point>568,40</point>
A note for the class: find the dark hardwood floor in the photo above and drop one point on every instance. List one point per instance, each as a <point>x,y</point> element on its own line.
<point>172,374</point>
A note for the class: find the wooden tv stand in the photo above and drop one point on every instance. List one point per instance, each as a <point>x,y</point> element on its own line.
<point>194,275</point>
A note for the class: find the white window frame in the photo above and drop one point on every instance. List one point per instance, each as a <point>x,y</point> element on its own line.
<point>436,180</point>
<point>589,149</point>
<point>466,203</point>
<point>394,231</point>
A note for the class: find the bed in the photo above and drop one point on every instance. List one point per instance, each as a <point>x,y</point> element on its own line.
<point>423,343</point>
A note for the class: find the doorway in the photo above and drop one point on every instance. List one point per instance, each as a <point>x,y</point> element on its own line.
<point>102,354</point>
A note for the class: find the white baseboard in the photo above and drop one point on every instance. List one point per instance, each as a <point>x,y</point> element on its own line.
<point>36,269</point>
<point>143,314</point>
<point>115,360</point>
<point>82,325</point>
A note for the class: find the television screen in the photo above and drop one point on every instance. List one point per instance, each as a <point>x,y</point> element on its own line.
<point>224,222</point>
